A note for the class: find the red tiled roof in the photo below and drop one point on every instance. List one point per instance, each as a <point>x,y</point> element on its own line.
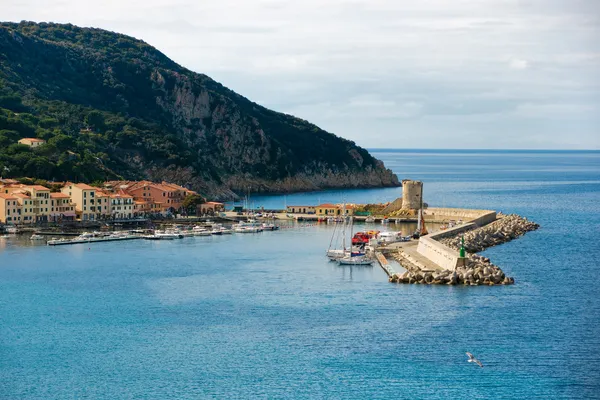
<point>36,187</point>
<point>33,139</point>
<point>7,196</point>
<point>328,205</point>
<point>59,196</point>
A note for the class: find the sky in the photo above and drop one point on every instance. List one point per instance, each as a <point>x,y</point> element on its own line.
<point>493,74</point>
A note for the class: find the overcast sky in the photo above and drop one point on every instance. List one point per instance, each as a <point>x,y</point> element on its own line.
<point>384,73</point>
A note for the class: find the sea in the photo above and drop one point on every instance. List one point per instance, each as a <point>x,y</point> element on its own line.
<point>267,316</point>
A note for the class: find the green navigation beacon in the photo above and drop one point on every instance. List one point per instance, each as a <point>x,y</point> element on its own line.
<point>462,247</point>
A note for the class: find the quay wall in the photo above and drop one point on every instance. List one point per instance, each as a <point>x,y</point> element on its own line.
<point>444,256</point>
<point>478,217</point>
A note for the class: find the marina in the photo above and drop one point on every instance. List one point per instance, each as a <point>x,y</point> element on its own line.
<point>94,315</point>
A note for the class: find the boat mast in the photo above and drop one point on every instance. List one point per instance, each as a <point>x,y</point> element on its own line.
<point>344,228</point>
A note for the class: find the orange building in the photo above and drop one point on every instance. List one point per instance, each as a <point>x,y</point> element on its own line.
<point>10,210</point>
<point>61,208</point>
<point>84,198</point>
<point>159,197</point>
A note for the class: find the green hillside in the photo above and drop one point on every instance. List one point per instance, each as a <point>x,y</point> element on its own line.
<point>111,106</point>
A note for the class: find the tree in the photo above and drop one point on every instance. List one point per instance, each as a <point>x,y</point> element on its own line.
<point>95,120</point>
<point>191,202</point>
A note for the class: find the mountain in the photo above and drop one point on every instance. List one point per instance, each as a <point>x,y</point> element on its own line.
<point>111,107</point>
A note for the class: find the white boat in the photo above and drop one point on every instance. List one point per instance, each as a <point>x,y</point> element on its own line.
<point>389,236</point>
<point>355,260</point>
<point>251,226</point>
<point>158,235</point>
<point>337,245</point>
<point>370,219</point>
<point>269,227</point>
<point>336,254</point>
<point>200,231</point>
<point>12,229</point>
<point>36,237</point>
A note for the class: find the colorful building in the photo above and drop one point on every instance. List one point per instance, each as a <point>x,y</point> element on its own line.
<point>84,198</point>
<point>121,205</point>
<point>301,209</point>
<point>10,210</point>
<point>61,208</point>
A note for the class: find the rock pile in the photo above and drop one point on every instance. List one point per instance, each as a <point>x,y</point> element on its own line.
<point>477,271</point>
<point>503,230</point>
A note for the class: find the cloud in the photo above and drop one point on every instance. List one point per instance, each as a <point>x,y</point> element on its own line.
<point>429,69</point>
<point>516,63</point>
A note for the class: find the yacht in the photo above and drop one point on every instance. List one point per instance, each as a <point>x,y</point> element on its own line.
<point>355,260</point>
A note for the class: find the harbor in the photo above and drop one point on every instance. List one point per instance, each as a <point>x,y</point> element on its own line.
<point>435,256</point>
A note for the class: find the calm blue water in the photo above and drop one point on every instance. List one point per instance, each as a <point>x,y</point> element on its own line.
<point>266,316</point>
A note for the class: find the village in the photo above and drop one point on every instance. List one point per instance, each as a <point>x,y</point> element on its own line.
<point>28,204</point>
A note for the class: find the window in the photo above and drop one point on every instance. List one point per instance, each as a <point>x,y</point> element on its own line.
<point>84,202</point>
<point>84,194</point>
<point>92,194</point>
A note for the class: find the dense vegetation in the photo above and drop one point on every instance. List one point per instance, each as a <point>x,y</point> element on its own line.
<point>110,106</point>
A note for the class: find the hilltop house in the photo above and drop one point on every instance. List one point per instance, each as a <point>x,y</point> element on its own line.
<point>32,142</point>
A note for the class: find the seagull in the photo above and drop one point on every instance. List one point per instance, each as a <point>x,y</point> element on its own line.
<point>474,360</point>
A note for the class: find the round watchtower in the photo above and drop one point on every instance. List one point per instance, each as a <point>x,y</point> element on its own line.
<point>412,194</point>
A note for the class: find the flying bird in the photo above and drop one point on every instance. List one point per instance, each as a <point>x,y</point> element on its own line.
<point>474,360</point>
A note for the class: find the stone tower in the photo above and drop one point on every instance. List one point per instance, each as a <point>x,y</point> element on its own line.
<point>412,194</point>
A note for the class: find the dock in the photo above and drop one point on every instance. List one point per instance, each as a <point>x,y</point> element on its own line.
<point>384,263</point>
<point>60,242</point>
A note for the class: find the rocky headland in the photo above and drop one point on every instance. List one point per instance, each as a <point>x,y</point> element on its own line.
<point>112,107</point>
<point>477,270</point>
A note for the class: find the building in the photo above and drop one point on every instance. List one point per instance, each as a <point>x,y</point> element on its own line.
<point>103,204</point>
<point>84,198</point>
<point>328,209</point>
<point>32,142</point>
<point>33,199</point>
<point>301,209</point>
<point>335,209</point>
<point>61,208</point>
<point>10,210</point>
<point>121,205</point>
<point>210,207</point>
<point>161,197</point>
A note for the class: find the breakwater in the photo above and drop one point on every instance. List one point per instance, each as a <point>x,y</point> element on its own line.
<point>504,229</point>
<point>474,269</point>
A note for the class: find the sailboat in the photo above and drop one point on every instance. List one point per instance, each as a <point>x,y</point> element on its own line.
<point>335,254</point>
<point>354,257</point>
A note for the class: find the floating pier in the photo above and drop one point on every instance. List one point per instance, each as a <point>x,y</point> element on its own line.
<point>60,242</point>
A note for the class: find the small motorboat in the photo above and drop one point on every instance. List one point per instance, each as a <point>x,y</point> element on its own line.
<point>36,237</point>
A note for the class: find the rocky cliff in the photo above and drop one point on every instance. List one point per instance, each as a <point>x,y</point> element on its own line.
<point>113,106</point>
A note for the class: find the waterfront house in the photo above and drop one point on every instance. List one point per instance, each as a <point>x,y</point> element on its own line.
<point>84,198</point>
<point>328,209</point>
<point>301,209</point>
<point>103,204</point>
<point>10,210</point>
<point>26,206</point>
<point>121,205</point>
<point>32,142</point>
<point>168,195</point>
<point>61,208</point>
<point>33,199</point>
<point>210,207</point>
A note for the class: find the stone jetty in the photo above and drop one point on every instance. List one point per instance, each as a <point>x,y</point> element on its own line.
<point>476,269</point>
<point>504,229</point>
